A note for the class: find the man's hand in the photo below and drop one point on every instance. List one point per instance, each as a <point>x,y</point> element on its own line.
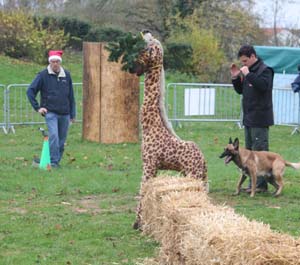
<point>42,111</point>
<point>245,70</point>
<point>72,120</point>
<point>234,71</point>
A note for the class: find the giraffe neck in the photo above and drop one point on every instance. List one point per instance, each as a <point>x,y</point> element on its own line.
<point>153,108</point>
<point>152,92</point>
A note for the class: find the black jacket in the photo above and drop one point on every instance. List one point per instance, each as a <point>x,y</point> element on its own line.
<point>56,93</point>
<point>256,89</point>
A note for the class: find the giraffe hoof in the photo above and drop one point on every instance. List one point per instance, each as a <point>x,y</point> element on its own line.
<point>137,225</point>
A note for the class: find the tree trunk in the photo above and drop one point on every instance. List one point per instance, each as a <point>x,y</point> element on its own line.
<point>110,98</point>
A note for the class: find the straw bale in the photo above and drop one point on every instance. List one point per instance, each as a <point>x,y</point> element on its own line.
<point>223,237</point>
<point>196,236</point>
<point>152,193</point>
<point>193,231</point>
<point>178,208</point>
<point>167,181</point>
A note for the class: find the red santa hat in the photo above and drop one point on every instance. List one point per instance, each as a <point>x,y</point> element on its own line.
<point>55,55</point>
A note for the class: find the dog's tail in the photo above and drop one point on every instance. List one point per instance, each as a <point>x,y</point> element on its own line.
<point>293,165</point>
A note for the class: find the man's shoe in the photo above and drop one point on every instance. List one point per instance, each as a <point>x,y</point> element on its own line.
<point>54,165</point>
<point>248,190</point>
<point>257,190</point>
<point>261,190</point>
<point>36,160</point>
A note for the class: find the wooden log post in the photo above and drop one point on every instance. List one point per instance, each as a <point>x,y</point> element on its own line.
<point>110,98</point>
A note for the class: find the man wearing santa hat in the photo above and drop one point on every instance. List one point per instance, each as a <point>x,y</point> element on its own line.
<point>57,103</point>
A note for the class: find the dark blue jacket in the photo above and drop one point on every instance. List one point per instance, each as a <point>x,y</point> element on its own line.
<point>56,93</point>
<point>296,84</point>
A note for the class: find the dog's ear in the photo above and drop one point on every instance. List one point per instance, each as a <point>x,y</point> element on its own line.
<point>230,140</point>
<point>236,143</point>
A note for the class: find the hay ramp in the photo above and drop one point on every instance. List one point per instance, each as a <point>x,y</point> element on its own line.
<point>192,231</point>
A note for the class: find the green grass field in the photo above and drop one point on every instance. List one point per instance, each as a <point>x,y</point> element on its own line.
<point>82,213</point>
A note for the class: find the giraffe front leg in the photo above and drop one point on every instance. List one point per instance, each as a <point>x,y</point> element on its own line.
<point>149,171</point>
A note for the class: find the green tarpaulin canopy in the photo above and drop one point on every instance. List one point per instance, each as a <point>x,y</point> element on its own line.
<point>281,59</point>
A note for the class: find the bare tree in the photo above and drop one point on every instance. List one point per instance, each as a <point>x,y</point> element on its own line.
<point>277,15</point>
<point>230,23</point>
<point>34,5</point>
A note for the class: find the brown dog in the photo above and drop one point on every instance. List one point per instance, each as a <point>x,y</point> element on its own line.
<point>257,163</point>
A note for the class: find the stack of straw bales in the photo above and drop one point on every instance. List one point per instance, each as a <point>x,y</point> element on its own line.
<point>192,231</point>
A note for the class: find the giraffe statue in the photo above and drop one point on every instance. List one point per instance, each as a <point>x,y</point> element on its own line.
<point>162,149</point>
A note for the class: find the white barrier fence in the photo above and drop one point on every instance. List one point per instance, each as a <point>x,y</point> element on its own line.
<point>18,111</point>
<point>219,102</point>
<point>3,109</point>
<point>202,102</point>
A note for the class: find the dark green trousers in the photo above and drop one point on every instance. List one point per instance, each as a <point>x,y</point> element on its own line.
<point>257,139</point>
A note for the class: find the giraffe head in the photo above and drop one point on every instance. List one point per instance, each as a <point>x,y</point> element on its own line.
<point>149,58</point>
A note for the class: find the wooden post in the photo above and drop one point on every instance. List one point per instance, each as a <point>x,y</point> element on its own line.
<point>110,98</point>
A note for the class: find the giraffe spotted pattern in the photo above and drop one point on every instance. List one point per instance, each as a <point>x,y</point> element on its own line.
<point>161,147</point>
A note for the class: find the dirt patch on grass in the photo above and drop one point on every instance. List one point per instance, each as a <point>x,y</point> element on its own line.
<point>99,204</point>
<point>88,204</point>
<point>18,210</point>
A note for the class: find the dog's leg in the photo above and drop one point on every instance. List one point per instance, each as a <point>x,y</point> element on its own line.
<point>273,182</point>
<point>278,171</point>
<point>253,183</point>
<point>239,185</point>
<point>279,182</point>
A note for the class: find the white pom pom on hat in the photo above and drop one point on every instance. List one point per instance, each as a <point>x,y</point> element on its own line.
<point>55,55</point>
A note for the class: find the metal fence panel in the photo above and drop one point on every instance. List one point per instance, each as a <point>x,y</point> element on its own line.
<point>3,110</point>
<point>184,102</point>
<point>286,107</point>
<point>202,102</point>
<point>20,110</point>
<point>78,94</point>
<point>220,102</point>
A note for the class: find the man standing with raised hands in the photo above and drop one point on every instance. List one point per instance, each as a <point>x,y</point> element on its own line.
<point>254,80</point>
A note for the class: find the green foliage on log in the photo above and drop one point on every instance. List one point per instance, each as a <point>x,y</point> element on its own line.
<point>127,48</point>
